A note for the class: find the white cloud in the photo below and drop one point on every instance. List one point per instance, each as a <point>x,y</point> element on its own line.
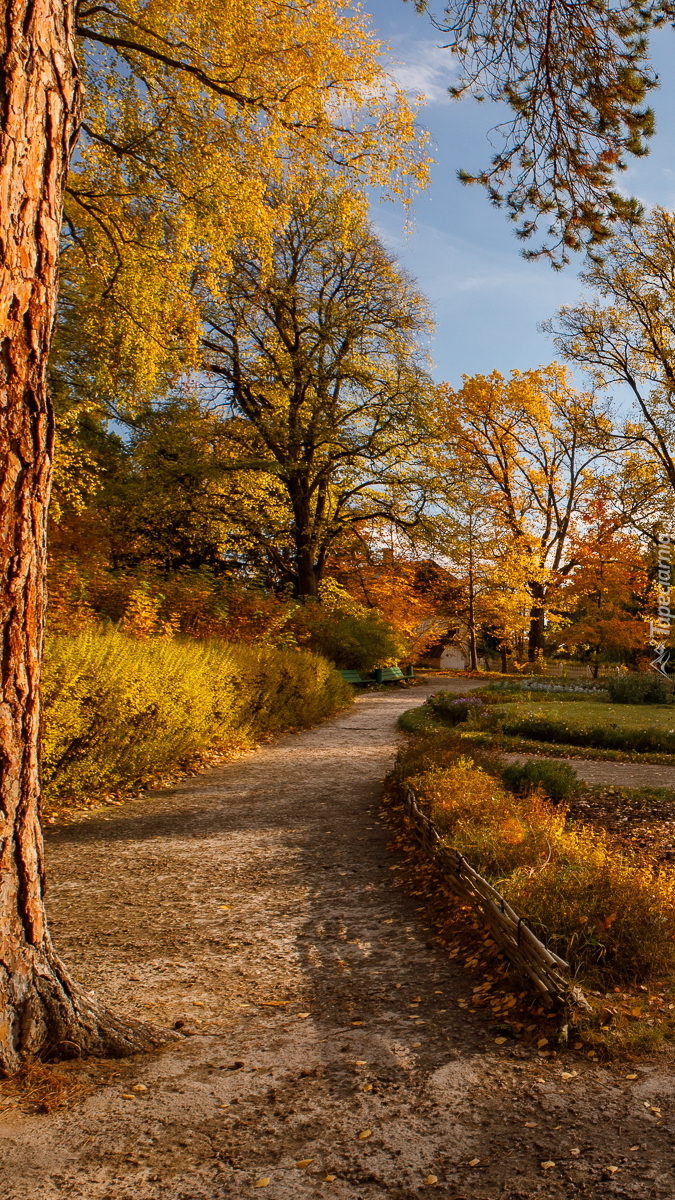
<point>423,68</point>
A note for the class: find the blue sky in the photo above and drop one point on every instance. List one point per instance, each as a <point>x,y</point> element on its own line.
<point>486,298</point>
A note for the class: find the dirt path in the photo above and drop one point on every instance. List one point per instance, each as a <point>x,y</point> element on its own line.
<point>612,774</point>
<point>256,905</point>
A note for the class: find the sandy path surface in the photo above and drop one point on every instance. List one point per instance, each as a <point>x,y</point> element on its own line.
<point>256,905</point>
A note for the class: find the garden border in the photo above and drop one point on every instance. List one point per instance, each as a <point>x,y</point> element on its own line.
<point>541,966</point>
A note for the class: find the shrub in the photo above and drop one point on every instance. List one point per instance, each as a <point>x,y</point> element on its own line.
<point>357,640</point>
<point>453,709</point>
<point>120,712</point>
<point>557,780</point>
<point>605,913</point>
<point>638,689</point>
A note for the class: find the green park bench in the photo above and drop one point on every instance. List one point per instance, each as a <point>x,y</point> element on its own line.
<point>379,675</point>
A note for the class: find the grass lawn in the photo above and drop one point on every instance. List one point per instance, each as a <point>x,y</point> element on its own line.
<point>645,728</point>
<point>592,713</point>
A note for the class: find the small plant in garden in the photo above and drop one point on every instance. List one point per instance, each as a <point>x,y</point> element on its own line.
<point>453,709</point>
<point>557,780</point>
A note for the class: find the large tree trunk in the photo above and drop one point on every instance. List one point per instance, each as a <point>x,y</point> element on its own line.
<point>535,641</point>
<point>42,1012</point>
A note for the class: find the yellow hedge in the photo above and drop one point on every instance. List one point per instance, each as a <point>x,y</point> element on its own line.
<point>120,712</point>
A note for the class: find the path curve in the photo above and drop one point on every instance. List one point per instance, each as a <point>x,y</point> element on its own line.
<point>256,904</point>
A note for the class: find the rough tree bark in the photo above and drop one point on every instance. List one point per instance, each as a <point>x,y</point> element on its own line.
<point>42,1011</point>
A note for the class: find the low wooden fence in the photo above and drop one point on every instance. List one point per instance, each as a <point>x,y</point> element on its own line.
<point>546,971</point>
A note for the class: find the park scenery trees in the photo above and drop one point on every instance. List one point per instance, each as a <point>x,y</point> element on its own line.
<point>237,419</point>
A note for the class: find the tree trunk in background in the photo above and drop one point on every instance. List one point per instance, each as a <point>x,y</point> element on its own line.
<point>41,1011</point>
<point>535,641</point>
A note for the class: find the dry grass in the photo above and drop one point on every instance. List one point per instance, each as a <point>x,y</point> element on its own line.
<point>42,1089</point>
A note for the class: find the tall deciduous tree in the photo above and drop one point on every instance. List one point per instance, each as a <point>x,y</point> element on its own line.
<point>601,607</point>
<point>533,442</point>
<point>190,107</point>
<point>626,335</point>
<point>320,359</point>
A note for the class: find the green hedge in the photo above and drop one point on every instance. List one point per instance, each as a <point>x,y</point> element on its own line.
<point>119,713</point>
<point>639,689</point>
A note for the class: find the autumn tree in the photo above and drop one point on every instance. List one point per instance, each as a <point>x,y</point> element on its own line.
<point>320,360</point>
<point>190,110</point>
<point>600,609</point>
<point>484,557</point>
<point>417,596</point>
<point>625,335</point>
<point>532,444</point>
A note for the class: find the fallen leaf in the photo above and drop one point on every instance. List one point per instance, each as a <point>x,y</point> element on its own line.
<point>273,1003</point>
<point>304,1162</point>
<point>578,1046</point>
<point>636,1012</point>
<point>361,1062</point>
<point>368,1087</point>
<point>568,1074</point>
<point>542,1042</point>
<point>612,1170</point>
<point>303,1015</point>
<point>546,1165</point>
<point>128,1096</point>
<point>633,1147</point>
<point>474,1162</point>
<point>575,1151</point>
<point>139,1087</point>
<point>264,1182</point>
<point>530,1124</point>
<point>607,922</point>
<point>199,1003</point>
<point>353,1022</point>
<point>328,1178</point>
<point>365,1133</point>
<point>431,1179</point>
<point>224,907</point>
<point>500,1041</point>
<point>631,1076</point>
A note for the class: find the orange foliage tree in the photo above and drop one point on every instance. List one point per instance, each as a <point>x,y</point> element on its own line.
<point>601,606</point>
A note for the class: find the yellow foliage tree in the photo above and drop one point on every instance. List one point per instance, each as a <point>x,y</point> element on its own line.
<point>193,112</point>
<point>532,445</point>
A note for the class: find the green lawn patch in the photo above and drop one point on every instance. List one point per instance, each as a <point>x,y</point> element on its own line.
<point>599,724</point>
